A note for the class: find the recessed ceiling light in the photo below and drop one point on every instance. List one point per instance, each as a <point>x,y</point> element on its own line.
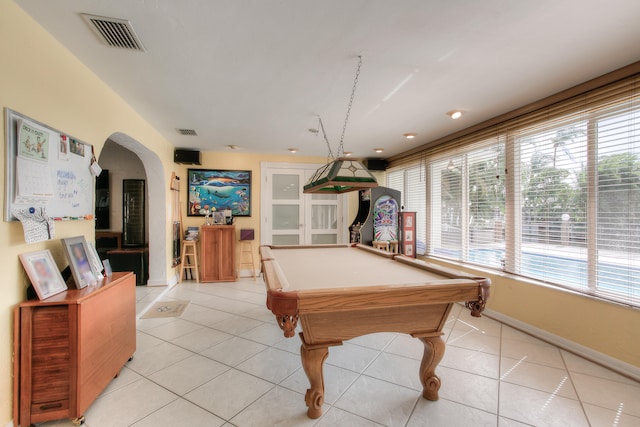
<point>409,135</point>
<point>232,147</point>
<point>455,114</point>
<point>293,150</point>
<point>378,150</point>
<point>348,153</point>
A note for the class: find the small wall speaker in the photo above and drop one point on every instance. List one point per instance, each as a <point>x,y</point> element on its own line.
<point>375,164</point>
<point>186,157</point>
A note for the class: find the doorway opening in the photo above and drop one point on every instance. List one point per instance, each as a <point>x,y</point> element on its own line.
<point>148,167</point>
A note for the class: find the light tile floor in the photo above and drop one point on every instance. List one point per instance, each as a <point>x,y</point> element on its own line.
<point>225,362</point>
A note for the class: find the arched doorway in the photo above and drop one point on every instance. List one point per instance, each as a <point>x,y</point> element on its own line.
<point>157,206</point>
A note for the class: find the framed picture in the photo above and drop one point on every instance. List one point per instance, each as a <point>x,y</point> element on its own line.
<point>94,260</point>
<point>216,190</point>
<point>408,250</point>
<point>108,271</point>
<point>43,273</point>
<point>218,218</point>
<point>77,251</point>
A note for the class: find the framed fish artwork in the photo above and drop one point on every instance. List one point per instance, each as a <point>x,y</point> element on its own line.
<point>217,190</point>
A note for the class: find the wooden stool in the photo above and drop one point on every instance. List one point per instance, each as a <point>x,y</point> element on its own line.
<point>381,244</point>
<point>189,248</point>
<point>246,257</point>
<point>393,246</point>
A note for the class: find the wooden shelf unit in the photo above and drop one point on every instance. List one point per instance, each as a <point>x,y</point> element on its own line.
<point>217,253</point>
<point>68,347</point>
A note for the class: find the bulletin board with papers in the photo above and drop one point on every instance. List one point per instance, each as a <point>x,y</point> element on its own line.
<point>46,171</point>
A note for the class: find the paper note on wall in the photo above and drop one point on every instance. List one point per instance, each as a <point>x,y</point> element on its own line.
<point>36,224</point>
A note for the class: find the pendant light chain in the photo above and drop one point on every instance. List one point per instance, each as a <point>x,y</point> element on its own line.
<point>346,119</point>
<point>341,175</point>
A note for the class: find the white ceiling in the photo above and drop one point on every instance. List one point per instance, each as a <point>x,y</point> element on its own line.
<point>258,73</point>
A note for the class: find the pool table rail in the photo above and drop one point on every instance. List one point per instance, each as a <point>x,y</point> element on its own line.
<point>459,286</point>
<point>283,304</point>
<point>476,306</point>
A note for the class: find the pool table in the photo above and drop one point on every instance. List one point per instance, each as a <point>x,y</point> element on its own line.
<point>339,292</point>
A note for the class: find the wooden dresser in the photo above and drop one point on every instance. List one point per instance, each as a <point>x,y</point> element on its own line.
<point>67,348</point>
<point>218,253</point>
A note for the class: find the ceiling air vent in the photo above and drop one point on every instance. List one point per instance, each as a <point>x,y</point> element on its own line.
<point>114,32</point>
<point>189,132</point>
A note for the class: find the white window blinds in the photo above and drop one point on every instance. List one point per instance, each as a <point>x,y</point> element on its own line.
<point>552,195</point>
<point>411,182</point>
<point>416,201</point>
<point>468,205</point>
<point>579,177</point>
<point>617,187</point>
<point>552,243</point>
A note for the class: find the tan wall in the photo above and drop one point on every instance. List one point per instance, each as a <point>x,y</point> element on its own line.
<point>42,80</point>
<point>251,162</point>
<point>608,328</point>
<point>605,327</point>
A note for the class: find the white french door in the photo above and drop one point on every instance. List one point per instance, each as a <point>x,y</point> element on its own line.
<point>291,217</point>
<point>285,215</point>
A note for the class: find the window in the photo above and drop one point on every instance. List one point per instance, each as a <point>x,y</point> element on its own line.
<point>617,184</point>
<point>468,206</point>
<point>553,229</point>
<point>579,203</point>
<point>553,195</point>
<point>411,183</point>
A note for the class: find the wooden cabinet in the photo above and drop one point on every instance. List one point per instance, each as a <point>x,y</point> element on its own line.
<point>68,347</point>
<point>217,253</point>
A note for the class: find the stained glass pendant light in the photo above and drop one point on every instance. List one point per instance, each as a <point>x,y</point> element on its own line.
<point>341,174</point>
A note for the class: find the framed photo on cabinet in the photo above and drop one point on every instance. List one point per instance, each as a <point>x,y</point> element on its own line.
<point>217,190</point>
<point>77,251</point>
<point>43,273</point>
<point>218,218</point>
<point>94,260</point>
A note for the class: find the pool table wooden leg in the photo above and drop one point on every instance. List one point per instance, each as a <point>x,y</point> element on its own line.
<point>433,353</point>
<point>312,360</point>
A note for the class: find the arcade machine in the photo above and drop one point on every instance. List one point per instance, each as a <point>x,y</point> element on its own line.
<point>377,218</point>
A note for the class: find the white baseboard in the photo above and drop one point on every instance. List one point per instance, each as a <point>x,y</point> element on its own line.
<point>171,280</point>
<point>608,362</point>
<point>245,272</point>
